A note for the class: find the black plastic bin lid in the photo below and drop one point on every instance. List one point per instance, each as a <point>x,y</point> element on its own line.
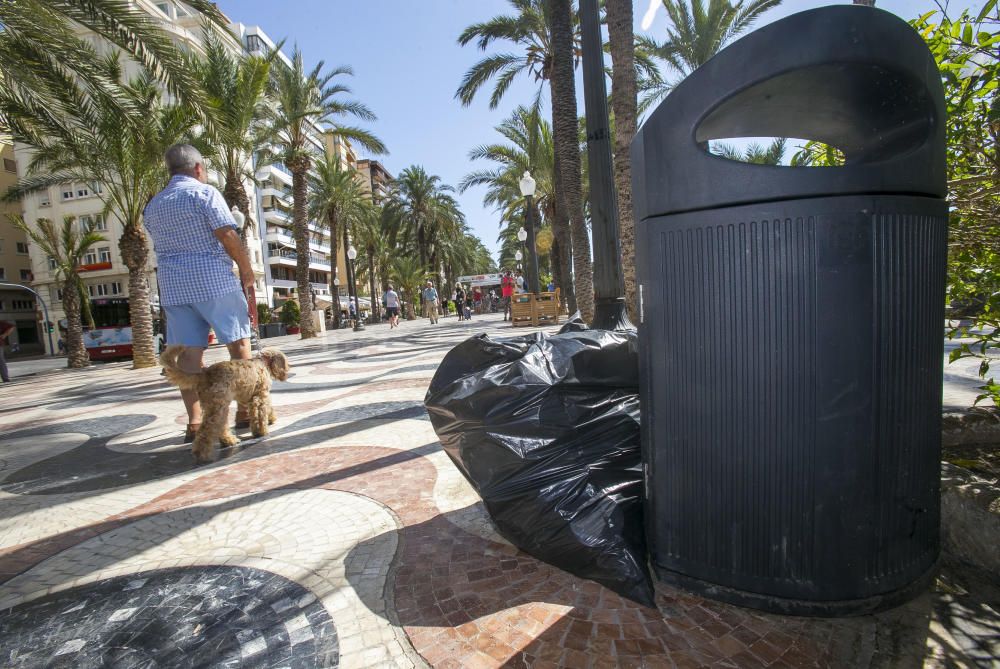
<point>857,78</point>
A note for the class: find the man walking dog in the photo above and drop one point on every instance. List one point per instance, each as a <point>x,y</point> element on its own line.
<point>196,242</point>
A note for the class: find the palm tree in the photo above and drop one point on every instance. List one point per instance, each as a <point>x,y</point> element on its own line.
<point>127,160</point>
<point>624,109</point>
<point>565,134</point>
<point>697,32</point>
<point>49,70</point>
<point>427,209</point>
<point>373,251</point>
<point>529,147</point>
<point>335,195</point>
<point>409,275</point>
<point>305,101</point>
<point>529,29</point>
<point>235,88</point>
<point>755,153</point>
<point>65,248</point>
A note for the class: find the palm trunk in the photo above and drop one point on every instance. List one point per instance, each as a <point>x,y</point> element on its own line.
<point>299,167</point>
<point>376,303</point>
<point>422,246</point>
<point>334,289</point>
<point>235,195</point>
<point>565,136</point>
<point>623,105</point>
<point>564,236</point>
<point>76,352</point>
<point>135,254</point>
<point>86,316</point>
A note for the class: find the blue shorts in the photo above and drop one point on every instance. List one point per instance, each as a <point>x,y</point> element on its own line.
<point>188,324</point>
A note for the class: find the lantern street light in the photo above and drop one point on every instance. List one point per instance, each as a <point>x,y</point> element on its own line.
<point>527,185</point>
<point>518,256</point>
<point>609,286</point>
<point>521,234</point>
<point>352,288</point>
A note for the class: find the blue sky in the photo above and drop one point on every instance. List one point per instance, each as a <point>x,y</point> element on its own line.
<point>407,66</point>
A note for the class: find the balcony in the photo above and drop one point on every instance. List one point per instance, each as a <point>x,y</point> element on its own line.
<point>319,288</point>
<point>272,215</point>
<point>284,237</point>
<point>289,258</point>
<point>282,195</point>
<point>276,171</point>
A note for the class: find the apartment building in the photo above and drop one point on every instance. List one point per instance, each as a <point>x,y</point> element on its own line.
<point>17,306</point>
<point>376,179</point>
<point>104,274</point>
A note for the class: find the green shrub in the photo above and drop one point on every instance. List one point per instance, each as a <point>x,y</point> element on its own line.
<point>290,314</point>
<point>263,314</point>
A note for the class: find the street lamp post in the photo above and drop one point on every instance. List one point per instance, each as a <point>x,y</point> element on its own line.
<point>45,310</point>
<point>352,288</point>
<point>527,185</point>
<point>609,286</point>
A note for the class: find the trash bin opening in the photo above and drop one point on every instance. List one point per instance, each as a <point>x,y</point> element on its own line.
<point>867,112</point>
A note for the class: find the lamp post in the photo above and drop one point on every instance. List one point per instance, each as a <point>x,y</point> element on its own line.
<point>609,286</point>
<point>336,298</point>
<point>352,288</point>
<point>45,310</point>
<point>527,185</point>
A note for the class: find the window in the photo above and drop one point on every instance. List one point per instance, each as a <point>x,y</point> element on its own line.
<point>26,275</point>
<point>43,198</point>
<point>68,194</point>
<point>1,305</point>
<point>99,223</point>
<point>52,264</point>
<point>90,258</point>
<point>82,191</point>
<point>95,188</point>
<point>22,248</point>
<point>104,254</point>
<point>116,288</point>
<point>9,165</point>
<point>255,43</point>
<point>23,305</point>
<point>3,275</point>
<point>58,294</point>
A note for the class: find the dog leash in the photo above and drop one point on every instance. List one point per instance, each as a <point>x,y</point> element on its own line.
<point>251,296</point>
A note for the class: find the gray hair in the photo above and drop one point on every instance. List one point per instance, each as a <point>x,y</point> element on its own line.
<point>181,159</point>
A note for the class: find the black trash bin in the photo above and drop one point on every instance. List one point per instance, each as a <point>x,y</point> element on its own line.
<point>791,336</point>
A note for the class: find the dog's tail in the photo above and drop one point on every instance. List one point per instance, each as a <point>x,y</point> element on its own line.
<point>173,372</point>
<point>276,362</point>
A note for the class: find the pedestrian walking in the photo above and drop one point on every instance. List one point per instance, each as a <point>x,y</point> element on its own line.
<point>430,296</point>
<point>6,329</point>
<point>460,301</point>
<point>506,292</point>
<point>392,307</point>
<point>196,243</point>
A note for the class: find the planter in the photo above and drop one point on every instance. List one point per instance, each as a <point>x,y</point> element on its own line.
<point>293,329</point>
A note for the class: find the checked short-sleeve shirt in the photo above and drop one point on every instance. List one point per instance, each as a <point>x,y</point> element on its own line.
<point>192,264</point>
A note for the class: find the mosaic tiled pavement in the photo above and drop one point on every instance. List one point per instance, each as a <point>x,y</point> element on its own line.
<point>346,538</point>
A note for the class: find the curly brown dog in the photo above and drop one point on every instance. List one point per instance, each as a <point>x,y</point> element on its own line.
<point>246,381</point>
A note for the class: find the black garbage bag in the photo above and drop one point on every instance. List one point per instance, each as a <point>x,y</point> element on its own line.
<point>546,429</point>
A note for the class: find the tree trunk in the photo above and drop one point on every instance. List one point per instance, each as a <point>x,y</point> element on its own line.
<point>135,253</point>
<point>86,316</point>
<point>376,302</point>
<point>422,246</point>
<point>623,105</point>
<point>235,195</point>
<point>334,289</point>
<point>76,352</point>
<point>562,232</point>
<point>300,229</point>
<point>565,136</point>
